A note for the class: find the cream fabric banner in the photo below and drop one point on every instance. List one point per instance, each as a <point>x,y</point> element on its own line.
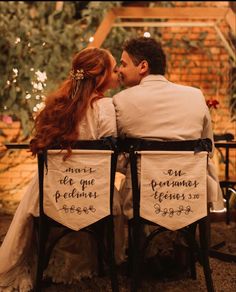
<point>77,190</point>
<point>173,187</point>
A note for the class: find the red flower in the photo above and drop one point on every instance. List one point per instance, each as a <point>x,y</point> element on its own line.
<point>7,119</point>
<point>212,103</point>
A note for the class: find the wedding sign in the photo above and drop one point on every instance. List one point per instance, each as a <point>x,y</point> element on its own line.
<point>77,190</point>
<point>173,190</point>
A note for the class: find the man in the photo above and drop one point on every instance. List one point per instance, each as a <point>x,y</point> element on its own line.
<point>155,108</point>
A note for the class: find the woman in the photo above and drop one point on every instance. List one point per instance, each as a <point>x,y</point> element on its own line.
<point>77,110</point>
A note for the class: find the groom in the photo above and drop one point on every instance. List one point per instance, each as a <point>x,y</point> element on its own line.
<point>155,108</point>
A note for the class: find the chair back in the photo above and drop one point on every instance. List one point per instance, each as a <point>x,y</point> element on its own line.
<point>173,181</point>
<point>78,191</point>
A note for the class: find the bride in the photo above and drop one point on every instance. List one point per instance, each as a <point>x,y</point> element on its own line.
<point>77,110</point>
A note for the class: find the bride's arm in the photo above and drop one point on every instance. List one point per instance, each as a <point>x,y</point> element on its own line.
<point>108,127</point>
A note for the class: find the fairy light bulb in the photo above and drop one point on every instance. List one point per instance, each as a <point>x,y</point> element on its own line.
<point>147,34</point>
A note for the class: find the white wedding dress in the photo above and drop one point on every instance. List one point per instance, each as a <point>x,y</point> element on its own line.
<point>74,256</point>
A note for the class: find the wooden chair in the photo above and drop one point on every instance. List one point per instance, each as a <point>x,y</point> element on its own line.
<point>139,147</point>
<point>44,222</point>
<point>227,183</point>
<point>225,142</point>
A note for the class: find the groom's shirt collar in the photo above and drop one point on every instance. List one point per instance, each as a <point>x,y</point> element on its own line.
<point>153,77</point>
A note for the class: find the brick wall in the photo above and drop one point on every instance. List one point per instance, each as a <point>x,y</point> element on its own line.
<point>206,68</point>
<point>16,167</point>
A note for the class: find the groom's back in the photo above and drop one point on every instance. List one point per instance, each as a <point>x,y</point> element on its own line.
<point>159,109</point>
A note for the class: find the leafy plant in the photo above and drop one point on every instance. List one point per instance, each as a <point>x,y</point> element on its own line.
<point>36,45</point>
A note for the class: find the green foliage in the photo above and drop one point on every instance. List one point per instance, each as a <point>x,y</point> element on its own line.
<point>34,38</point>
<point>37,41</point>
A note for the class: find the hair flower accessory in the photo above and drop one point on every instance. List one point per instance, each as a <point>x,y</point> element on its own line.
<point>77,74</point>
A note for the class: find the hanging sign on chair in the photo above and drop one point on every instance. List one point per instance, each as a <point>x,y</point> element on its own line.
<point>173,187</point>
<point>77,190</point>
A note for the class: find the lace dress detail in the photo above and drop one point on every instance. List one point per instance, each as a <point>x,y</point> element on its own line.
<point>20,278</point>
<point>73,258</point>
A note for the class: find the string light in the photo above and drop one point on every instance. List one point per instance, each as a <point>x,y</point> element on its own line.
<point>91,39</point>
<point>147,34</point>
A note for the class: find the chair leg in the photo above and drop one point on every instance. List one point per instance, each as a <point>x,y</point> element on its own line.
<point>204,244</point>
<point>43,235</point>
<point>111,248</point>
<point>227,197</point>
<point>101,271</point>
<point>100,235</point>
<point>193,272</point>
<point>130,248</point>
<point>135,280</point>
<point>193,247</point>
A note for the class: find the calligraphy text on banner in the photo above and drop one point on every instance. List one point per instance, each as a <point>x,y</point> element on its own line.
<point>173,188</point>
<point>77,190</point>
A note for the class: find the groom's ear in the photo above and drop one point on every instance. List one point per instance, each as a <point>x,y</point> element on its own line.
<point>144,67</point>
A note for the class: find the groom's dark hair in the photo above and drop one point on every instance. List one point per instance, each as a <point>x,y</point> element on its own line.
<point>148,49</point>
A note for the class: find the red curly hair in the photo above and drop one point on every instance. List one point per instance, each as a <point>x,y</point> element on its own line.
<point>58,122</point>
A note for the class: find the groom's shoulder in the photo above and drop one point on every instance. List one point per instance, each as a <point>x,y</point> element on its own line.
<point>126,92</point>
